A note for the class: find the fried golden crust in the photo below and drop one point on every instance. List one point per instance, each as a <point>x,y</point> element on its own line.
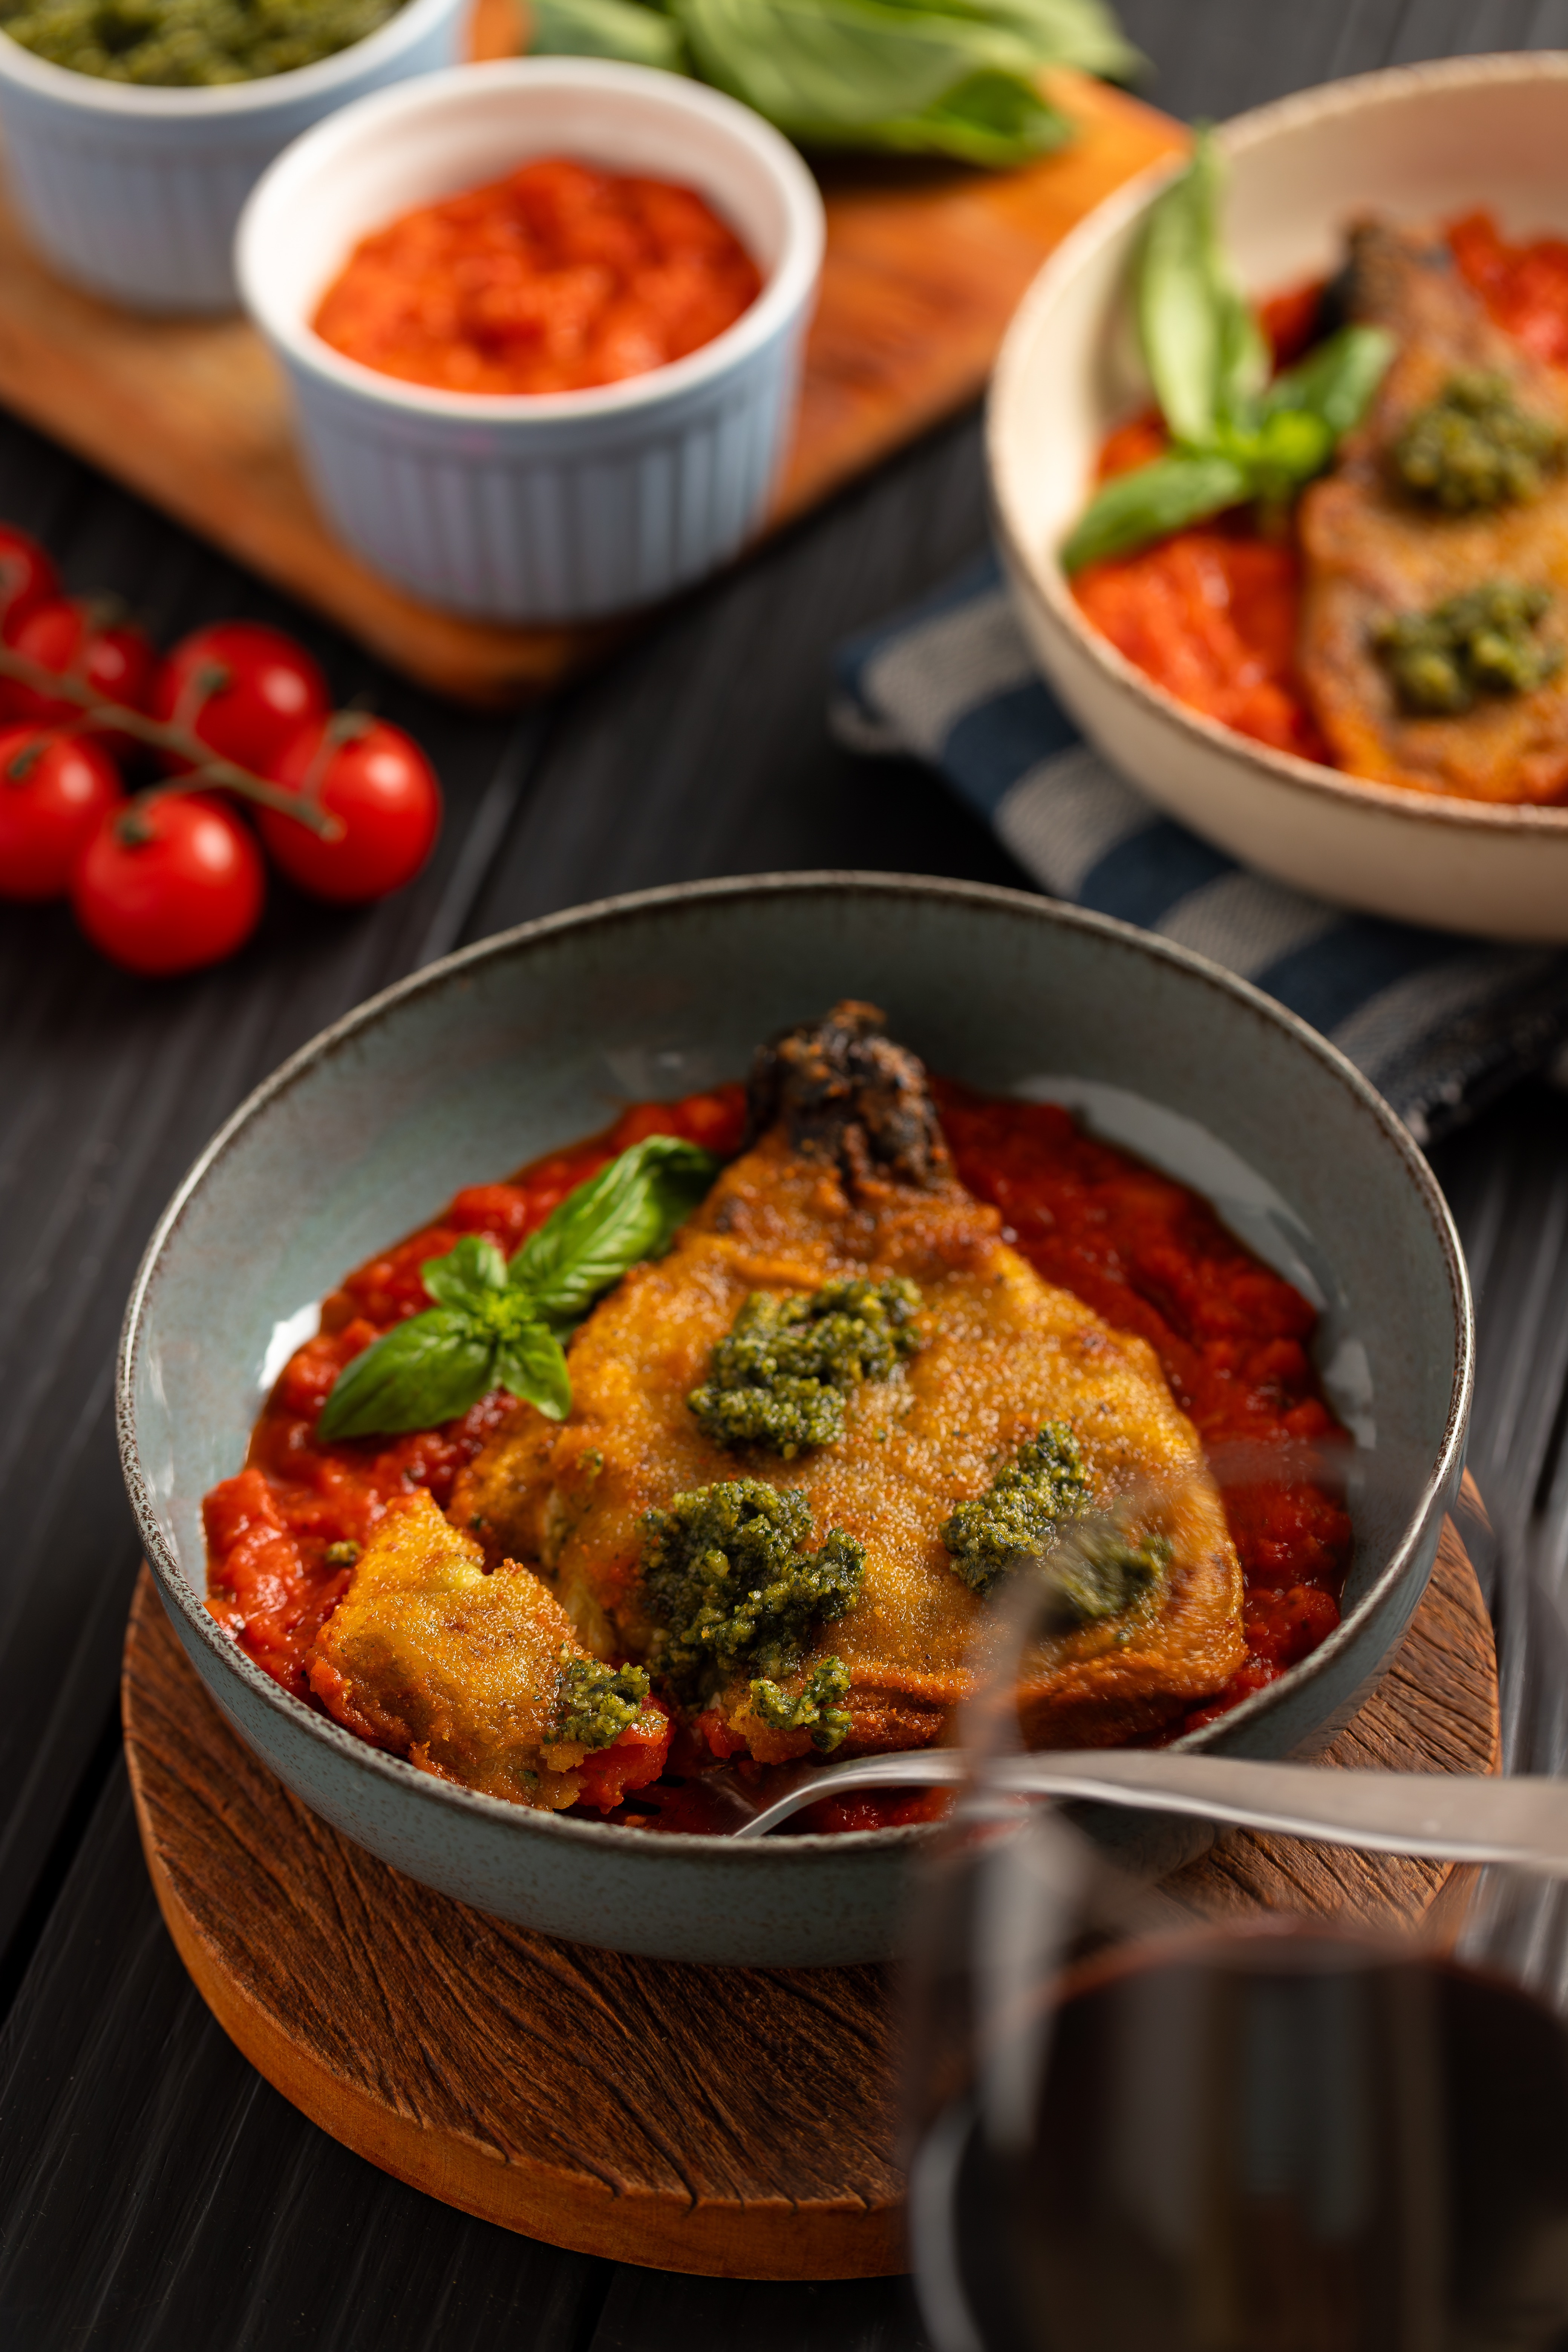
<point>1369,550</point>
<point>456,1669</point>
<point>1003,1352</point>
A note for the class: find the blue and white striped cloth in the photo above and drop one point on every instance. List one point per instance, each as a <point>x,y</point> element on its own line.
<point>1439,1024</point>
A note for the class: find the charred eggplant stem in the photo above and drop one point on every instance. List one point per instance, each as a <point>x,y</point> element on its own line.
<point>847,1094</point>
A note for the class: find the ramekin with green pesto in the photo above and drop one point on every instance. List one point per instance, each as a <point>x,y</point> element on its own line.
<point>134,130</point>
<point>189,44</point>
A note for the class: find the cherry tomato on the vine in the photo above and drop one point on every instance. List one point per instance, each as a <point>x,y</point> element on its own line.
<point>243,688</point>
<point>72,636</point>
<point>378,785</point>
<point>54,790</point>
<point>171,883</point>
<point>27,579</point>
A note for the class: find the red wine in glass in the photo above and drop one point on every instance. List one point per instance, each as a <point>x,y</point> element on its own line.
<point>1288,2140</point>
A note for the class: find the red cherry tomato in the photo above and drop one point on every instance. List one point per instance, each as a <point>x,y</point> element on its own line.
<point>70,637</point>
<point>381,789</point>
<point>27,579</point>
<point>244,689</point>
<point>170,883</point>
<point>54,791</point>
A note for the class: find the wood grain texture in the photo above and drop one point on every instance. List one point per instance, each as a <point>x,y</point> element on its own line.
<point>728,2122</point>
<point>922,271</point>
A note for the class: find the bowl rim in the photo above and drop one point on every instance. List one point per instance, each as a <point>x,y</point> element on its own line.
<point>1042,574</point>
<point>152,102</point>
<point>394,1771</point>
<point>383,111</point>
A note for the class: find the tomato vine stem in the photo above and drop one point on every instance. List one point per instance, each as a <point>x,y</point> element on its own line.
<point>177,742</point>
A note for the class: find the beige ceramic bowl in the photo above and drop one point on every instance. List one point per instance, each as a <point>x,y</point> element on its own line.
<point>1421,142</point>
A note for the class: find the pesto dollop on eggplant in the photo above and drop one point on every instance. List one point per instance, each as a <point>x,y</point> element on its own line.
<point>597,1701</point>
<point>780,1376</point>
<point>1474,446</point>
<point>1101,1573</point>
<point>190,43</point>
<point>1024,1512</point>
<point>1482,643</point>
<point>1022,1509</point>
<point>727,1571</point>
<point>818,1706</point>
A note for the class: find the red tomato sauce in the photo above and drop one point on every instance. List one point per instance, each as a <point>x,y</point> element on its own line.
<point>553,279</point>
<point>1143,1251</point>
<point>1211,613</point>
<point>1524,287</point>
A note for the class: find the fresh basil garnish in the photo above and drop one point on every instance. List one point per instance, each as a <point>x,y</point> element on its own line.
<point>1235,436</point>
<point>628,1210</point>
<point>499,1326</point>
<point>1204,349</point>
<point>925,76</point>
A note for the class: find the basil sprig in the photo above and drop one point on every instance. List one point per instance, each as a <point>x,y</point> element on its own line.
<point>495,1326</point>
<point>917,77</point>
<point>1235,436</point>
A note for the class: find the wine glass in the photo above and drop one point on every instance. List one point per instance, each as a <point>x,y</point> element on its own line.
<point>1128,2128</point>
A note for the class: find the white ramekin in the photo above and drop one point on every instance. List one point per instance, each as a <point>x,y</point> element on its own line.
<point>552,506</point>
<point>134,192</point>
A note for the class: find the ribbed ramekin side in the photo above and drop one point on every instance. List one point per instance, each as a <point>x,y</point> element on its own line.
<point>517,525</point>
<point>140,203</point>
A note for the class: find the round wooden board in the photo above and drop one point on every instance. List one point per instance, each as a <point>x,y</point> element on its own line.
<point>731,2122</point>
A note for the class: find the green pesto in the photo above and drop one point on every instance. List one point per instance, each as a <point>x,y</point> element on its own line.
<point>597,1702</point>
<point>727,1571</point>
<point>818,1707</point>
<point>1482,643</point>
<point>191,43</point>
<point>1474,446</point>
<point>1102,1574</point>
<point>780,1377</point>
<point>1021,1510</point>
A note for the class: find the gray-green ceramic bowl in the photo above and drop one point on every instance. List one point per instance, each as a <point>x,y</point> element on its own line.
<point>488,1059</point>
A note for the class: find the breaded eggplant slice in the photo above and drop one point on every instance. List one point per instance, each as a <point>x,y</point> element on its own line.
<point>1371,551</point>
<point>851,1178</point>
<point>458,1669</point>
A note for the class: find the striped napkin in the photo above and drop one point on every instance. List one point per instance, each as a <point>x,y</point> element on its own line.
<point>1439,1024</point>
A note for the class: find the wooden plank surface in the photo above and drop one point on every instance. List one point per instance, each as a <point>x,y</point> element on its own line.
<point>923,269</point>
<point>731,2122</point>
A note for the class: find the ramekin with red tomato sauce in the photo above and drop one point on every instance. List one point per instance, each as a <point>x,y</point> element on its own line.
<point>635,447</point>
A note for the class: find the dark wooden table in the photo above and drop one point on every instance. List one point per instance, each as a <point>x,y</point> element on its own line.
<point>154,2192</point>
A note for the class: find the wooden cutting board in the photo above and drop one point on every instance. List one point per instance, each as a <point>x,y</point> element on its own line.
<point>735,2121</point>
<point>925,267</point>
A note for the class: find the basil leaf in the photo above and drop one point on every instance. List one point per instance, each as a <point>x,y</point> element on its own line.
<point>1336,381</point>
<point>1150,502</point>
<point>421,1372</point>
<point>1079,33</point>
<point>1285,451</point>
<point>490,1326</point>
<point>532,1365</point>
<point>957,78</point>
<point>991,119</point>
<point>832,71</point>
<point>629,1210</point>
<point>1205,353</point>
<point>466,1273</point>
<point>605,29</point>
